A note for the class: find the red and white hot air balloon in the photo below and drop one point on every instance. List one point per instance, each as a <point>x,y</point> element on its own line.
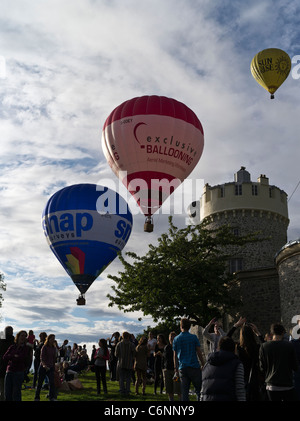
<point>152,143</point>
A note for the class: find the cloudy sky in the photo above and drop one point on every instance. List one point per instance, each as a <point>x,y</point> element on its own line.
<point>66,65</point>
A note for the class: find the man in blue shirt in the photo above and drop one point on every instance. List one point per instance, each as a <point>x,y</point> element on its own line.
<point>187,350</point>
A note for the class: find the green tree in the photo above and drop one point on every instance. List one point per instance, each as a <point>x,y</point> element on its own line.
<point>185,275</point>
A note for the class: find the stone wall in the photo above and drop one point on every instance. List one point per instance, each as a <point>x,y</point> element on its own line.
<point>260,296</point>
<point>288,265</point>
<point>257,283</point>
<point>272,227</point>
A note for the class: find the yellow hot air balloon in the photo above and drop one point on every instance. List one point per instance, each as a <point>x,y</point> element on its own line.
<point>270,68</point>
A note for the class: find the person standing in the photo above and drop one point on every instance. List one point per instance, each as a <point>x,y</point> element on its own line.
<point>125,353</point>
<point>186,347</point>
<point>101,356</point>
<point>31,338</point>
<point>158,353</point>
<point>151,346</point>
<point>74,353</point>
<point>215,336</point>
<point>94,350</point>
<point>63,350</point>
<point>17,357</point>
<point>47,367</point>
<point>140,364</point>
<point>37,356</point>
<point>223,374</point>
<point>296,343</point>
<point>278,361</point>
<point>112,343</point>
<point>247,349</point>
<point>172,383</point>
<point>5,343</point>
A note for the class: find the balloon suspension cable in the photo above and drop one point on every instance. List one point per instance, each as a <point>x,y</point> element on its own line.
<point>81,300</point>
<point>148,226</point>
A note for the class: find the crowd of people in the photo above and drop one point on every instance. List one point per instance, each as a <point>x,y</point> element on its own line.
<point>250,368</point>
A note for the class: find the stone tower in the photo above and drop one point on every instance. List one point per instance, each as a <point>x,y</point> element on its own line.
<point>288,266</point>
<point>249,207</point>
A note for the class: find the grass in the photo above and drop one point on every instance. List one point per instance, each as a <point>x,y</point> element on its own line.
<point>89,392</point>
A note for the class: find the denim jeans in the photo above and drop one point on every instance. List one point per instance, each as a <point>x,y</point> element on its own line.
<point>42,373</point>
<point>124,380</point>
<point>187,376</point>
<point>100,372</point>
<point>13,386</point>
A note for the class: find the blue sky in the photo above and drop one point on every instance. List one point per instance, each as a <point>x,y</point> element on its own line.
<point>67,66</point>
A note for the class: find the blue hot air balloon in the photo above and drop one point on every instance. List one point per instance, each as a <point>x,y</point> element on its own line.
<point>86,225</point>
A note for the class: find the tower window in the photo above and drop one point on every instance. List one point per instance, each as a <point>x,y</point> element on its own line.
<point>238,189</point>
<point>236,231</point>
<point>235,265</point>
<point>254,190</point>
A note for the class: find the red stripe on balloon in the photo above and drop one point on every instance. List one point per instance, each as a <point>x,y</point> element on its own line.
<point>154,105</point>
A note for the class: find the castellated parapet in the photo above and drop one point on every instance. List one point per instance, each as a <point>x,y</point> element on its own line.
<point>247,207</point>
<point>243,194</point>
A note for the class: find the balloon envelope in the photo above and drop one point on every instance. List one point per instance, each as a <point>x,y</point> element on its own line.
<point>152,143</point>
<point>270,68</point>
<point>85,226</point>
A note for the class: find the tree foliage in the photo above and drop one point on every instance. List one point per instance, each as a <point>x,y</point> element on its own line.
<point>185,275</point>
